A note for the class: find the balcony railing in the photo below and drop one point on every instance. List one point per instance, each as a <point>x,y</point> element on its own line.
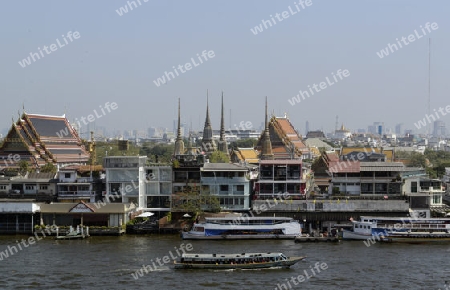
<point>75,194</point>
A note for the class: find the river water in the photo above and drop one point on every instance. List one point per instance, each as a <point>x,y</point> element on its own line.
<point>110,262</point>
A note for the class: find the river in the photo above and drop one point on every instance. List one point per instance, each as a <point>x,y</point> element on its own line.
<point>114,263</point>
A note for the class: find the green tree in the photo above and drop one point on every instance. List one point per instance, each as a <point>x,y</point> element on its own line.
<point>24,167</point>
<point>103,149</point>
<point>219,157</point>
<point>243,143</point>
<point>194,202</point>
<point>158,152</point>
<point>49,167</point>
<point>417,159</point>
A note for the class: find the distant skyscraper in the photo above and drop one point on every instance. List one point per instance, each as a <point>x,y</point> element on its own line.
<point>151,132</point>
<point>380,130</point>
<point>375,128</point>
<point>398,129</point>
<point>439,128</point>
<point>307,128</point>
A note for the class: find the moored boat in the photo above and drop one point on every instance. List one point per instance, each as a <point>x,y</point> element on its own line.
<point>361,230</point>
<point>400,229</point>
<point>236,261</point>
<point>244,228</point>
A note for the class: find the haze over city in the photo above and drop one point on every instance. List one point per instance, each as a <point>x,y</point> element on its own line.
<point>103,54</point>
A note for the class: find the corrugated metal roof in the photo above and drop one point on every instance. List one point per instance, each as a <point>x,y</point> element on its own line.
<point>382,166</point>
<point>222,167</point>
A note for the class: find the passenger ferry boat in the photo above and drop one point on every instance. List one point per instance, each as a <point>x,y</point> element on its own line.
<point>361,230</point>
<point>236,261</point>
<point>400,229</point>
<point>244,228</point>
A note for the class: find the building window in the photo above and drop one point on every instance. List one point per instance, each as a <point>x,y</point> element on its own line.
<point>239,188</point>
<point>150,175</point>
<point>66,175</point>
<point>29,187</point>
<point>43,187</point>
<point>2,187</point>
<point>437,199</point>
<point>414,186</point>
<point>224,188</point>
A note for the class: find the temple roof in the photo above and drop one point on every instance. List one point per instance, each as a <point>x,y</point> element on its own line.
<point>247,154</point>
<point>284,139</point>
<point>41,139</point>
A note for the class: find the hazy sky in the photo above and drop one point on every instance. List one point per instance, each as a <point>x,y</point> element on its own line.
<point>117,58</point>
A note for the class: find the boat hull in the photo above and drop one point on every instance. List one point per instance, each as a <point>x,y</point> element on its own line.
<point>349,235</point>
<point>416,238</point>
<point>279,264</point>
<point>71,237</point>
<point>189,236</point>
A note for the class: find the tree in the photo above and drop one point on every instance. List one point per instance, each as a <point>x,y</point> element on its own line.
<point>417,159</point>
<point>24,167</point>
<point>158,152</point>
<point>192,201</point>
<point>49,167</point>
<point>243,143</point>
<point>219,157</point>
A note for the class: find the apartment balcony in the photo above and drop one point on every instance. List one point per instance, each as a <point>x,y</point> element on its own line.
<point>224,180</point>
<point>75,194</point>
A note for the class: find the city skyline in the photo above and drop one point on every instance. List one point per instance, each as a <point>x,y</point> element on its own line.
<point>77,66</point>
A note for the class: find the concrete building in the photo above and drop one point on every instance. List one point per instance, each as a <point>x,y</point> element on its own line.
<point>125,179</point>
<point>228,182</point>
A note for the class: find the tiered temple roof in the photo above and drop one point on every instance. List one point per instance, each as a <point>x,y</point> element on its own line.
<point>286,142</point>
<point>41,139</point>
<point>249,155</point>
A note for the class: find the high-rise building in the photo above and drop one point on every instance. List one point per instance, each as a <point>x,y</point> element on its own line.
<point>439,128</point>
<point>398,129</point>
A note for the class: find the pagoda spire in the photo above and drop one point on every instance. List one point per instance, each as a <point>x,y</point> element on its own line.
<point>207,142</point>
<point>266,150</point>
<point>179,144</point>
<point>222,142</point>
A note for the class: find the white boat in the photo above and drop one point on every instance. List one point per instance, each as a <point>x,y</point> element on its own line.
<point>244,228</point>
<point>361,230</point>
<point>235,261</point>
<point>400,229</point>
